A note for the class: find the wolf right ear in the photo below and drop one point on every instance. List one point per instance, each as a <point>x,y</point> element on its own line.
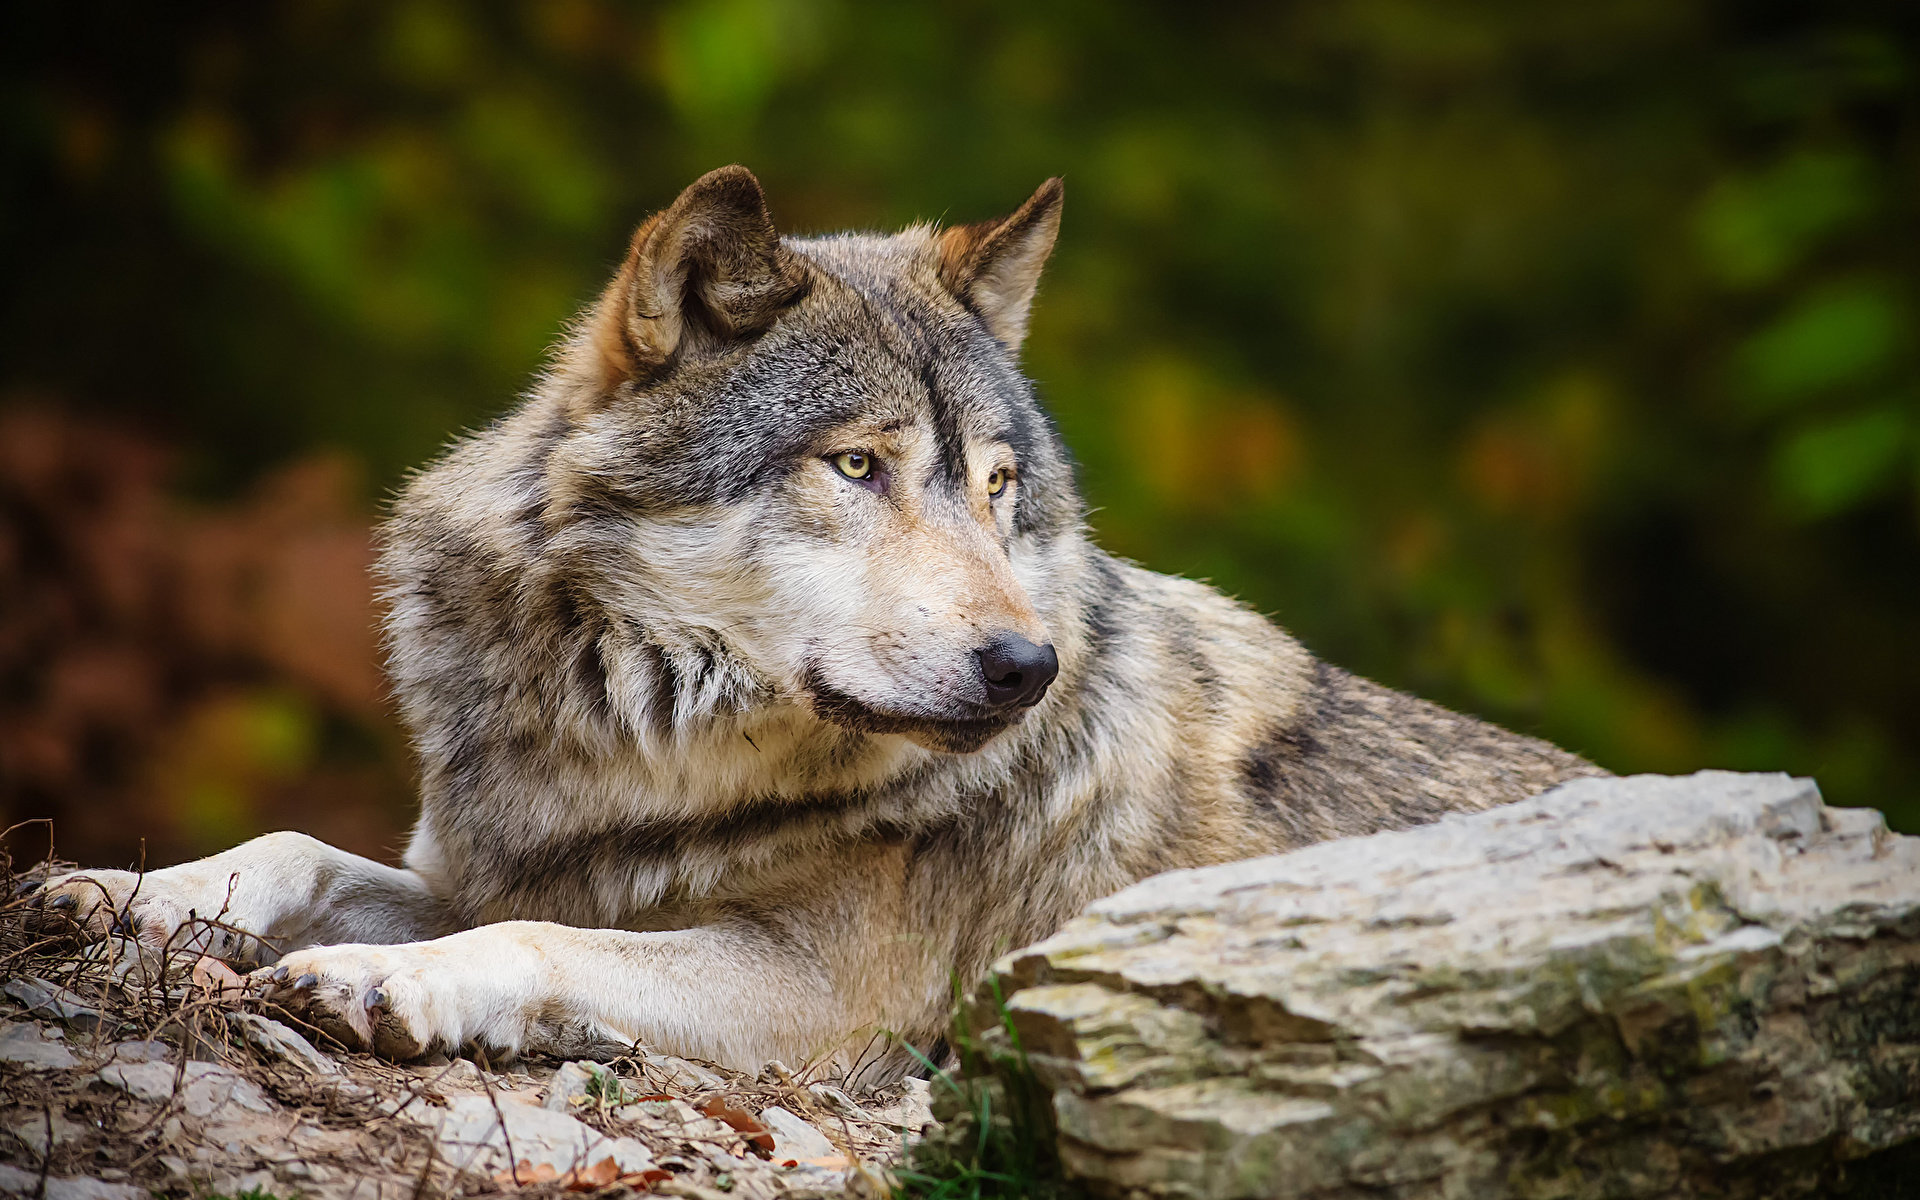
<point>994,266</point>
<point>697,278</point>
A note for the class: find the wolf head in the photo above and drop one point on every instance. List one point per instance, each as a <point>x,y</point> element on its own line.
<point>809,469</point>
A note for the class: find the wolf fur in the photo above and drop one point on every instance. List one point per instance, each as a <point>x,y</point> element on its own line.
<point>706,756</point>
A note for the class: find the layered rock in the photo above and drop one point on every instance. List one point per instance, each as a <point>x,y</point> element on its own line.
<point>1627,987</point>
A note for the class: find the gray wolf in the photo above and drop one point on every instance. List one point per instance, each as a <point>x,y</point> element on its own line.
<point>764,678</point>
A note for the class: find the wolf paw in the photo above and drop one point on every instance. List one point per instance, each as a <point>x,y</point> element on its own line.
<point>151,907</point>
<point>400,1002</point>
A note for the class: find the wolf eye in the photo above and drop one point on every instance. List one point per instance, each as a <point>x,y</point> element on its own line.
<point>854,465</point>
<point>997,482</point>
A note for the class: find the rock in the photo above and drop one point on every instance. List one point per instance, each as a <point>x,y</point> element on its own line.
<point>681,1075</point>
<point>906,1106</point>
<point>280,1044</point>
<point>794,1138</point>
<point>838,1101</point>
<point>41,1131</point>
<point>35,1046</point>
<point>584,1082</point>
<point>15,1182</point>
<point>473,1133</point>
<point>139,1051</point>
<point>205,1089</point>
<point>1645,987</point>
<point>49,1000</point>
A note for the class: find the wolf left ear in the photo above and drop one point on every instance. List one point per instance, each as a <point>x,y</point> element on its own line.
<point>994,266</point>
<point>698,278</point>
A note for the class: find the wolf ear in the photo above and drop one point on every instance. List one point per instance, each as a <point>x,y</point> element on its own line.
<point>994,266</point>
<point>697,278</point>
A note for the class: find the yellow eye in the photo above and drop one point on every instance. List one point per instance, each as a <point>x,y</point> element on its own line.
<point>997,482</point>
<point>853,464</point>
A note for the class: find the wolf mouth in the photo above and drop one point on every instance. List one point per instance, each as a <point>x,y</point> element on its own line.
<point>955,735</point>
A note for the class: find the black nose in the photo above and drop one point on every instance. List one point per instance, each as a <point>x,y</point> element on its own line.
<point>1016,671</point>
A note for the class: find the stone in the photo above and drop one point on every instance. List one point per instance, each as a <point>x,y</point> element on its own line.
<point>474,1132</point>
<point>16,1182</point>
<point>906,1106</point>
<point>680,1075</point>
<point>139,1051</point>
<point>280,1044</point>
<point>838,1101</point>
<point>41,1131</point>
<point>206,1090</point>
<point>52,1001</point>
<point>579,1083</point>
<point>35,1046</point>
<point>793,1138</point>
<point>1643,987</point>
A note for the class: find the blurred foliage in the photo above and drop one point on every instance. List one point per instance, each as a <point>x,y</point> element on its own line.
<point>1554,361</point>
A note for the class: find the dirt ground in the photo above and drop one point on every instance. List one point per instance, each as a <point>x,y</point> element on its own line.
<point>128,1074</point>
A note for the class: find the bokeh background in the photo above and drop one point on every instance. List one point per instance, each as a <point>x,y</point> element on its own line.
<point>1555,361</point>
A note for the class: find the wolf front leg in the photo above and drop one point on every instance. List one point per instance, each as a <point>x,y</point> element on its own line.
<point>277,892</point>
<point>738,993</point>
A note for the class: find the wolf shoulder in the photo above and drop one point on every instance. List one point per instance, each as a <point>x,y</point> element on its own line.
<point>1294,747</point>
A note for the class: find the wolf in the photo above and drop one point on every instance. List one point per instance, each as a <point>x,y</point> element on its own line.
<point>764,681</point>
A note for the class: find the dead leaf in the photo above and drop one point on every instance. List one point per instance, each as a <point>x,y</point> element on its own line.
<point>604,1173</point>
<point>831,1162</point>
<point>216,978</point>
<point>742,1120</point>
<point>598,1175</point>
<point>527,1172</point>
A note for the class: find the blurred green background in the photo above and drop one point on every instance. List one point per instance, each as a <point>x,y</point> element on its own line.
<point>1554,361</point>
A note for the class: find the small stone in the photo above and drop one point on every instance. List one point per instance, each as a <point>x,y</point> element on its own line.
<point>567,1089</point>
<point>16,1182</point>
<point>205,1089</point>
<point>911,1111</point>
<point>44,999</point>
<point>838,1101</point>
<point>280,1044</point>
<point>139,1051</point>
<point>35,1046</point>
<point>476,1130</point>
<point>792,1137</point>
<point>32,1128</point>
<point>682,1075</point>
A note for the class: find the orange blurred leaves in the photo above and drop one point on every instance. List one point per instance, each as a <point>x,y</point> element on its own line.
<point>1200,446</point>
<point>171,670</point>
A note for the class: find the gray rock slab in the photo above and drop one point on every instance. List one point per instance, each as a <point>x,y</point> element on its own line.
<point>139,1051</point>
<point>42,1130</point>
<point>16,1182</point>
<point>203,1089</point>
<point>575,1083</point>
<point>793,1138</point>
<point>680,1075</point>
<point>35,1046</point>
<point>280,1044</point>
<point>52,1001</point>
<point>474,1133</point>
<point>1624,987</point>
<point>907,1106</point>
